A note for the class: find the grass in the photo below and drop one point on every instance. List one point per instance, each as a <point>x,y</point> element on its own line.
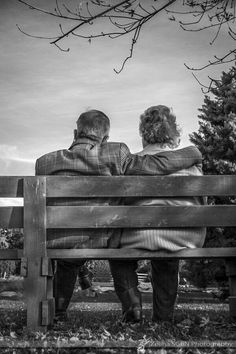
<point>96,328</point>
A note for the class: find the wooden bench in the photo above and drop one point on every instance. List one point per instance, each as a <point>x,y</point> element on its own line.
<point>36,218</point>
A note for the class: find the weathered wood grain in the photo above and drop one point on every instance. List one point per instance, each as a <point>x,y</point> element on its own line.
<point>48,312</point>
<point>141,186</point>
<point>13,254</point>
<point>231,272</point>
<point>141,217</point>
<point>11,187</point>
<point>11,285</point>
<point>11,217</point>
<point>129,253</point>
<point>34,248</point>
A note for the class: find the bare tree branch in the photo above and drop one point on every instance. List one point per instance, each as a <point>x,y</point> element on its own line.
<point>134,40</point>
<point>215,62</point>
<point>31,7</point>
<point>33,36</point>
<point>137,30</point>
<point>89,20</point>
<point>61,49</point>
<point>127,18</point>
<point>121,11</point>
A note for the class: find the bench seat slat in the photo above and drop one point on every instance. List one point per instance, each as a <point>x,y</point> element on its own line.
<point>146,186</point>
<point>142,216</point>
<point>129,253</point>
<point>11,254</point>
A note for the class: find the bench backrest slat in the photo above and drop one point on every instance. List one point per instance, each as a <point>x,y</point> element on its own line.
<point>142,186</point>
<point>11,217</point>
<point>147,186</point>
<point>126,216</point>
<point>143,216</point>
<point>11,187</point>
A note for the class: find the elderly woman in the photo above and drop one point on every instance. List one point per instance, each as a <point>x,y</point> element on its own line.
<point>159,131</point>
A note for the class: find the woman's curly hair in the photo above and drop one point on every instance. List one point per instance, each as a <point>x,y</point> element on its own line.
<point>158,126</point>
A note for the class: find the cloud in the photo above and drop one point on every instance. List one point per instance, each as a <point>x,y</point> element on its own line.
<point>11,152</point>
<point>16,168</point>
<point>13,163</point>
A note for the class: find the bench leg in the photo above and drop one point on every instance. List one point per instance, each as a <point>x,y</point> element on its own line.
<point>39,295</point>
<point>231,273</point>
<point>38,277</point>
<point>48,305</point>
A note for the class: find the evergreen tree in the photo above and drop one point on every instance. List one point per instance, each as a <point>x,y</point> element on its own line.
<point>216,139</point>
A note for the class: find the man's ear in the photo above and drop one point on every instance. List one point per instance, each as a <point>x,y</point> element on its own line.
<point>105,138</point>
<point>75,134</point>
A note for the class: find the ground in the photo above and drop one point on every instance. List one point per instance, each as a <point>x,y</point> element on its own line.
<point>96,328</point>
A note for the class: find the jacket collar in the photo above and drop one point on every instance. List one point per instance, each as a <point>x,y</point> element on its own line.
<point>85,140</point>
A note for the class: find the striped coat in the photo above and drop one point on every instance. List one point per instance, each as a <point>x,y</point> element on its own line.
<point>173,239</point>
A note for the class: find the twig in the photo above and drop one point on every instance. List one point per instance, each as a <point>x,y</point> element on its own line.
<point>61,49</point>
<point>216,62</point>
<point>88,20</point>
<point>134,40</point>
<point>33,36</point>
<point>31,7</point>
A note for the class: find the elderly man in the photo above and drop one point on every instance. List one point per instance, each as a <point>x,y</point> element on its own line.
<point>91,154</point>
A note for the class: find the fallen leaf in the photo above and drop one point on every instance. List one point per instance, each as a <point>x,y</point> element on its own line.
<point>73,339</point>
<point>204,321</point>
<point>13,334</point>
<point>108,334</point>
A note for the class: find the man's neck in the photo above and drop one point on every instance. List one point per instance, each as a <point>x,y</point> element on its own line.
<point>93,140</point>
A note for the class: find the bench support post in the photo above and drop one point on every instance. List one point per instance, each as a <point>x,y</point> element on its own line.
<point>38,281</point>
<point>231,273</point>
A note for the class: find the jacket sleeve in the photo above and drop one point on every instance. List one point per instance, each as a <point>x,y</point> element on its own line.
<point>163,163</point>
<point>38,169</point>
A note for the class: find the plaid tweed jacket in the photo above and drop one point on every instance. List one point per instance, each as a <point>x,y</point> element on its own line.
<point>88,157</point>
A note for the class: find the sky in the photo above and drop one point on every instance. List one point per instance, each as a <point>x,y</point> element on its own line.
<point>43,90</point>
